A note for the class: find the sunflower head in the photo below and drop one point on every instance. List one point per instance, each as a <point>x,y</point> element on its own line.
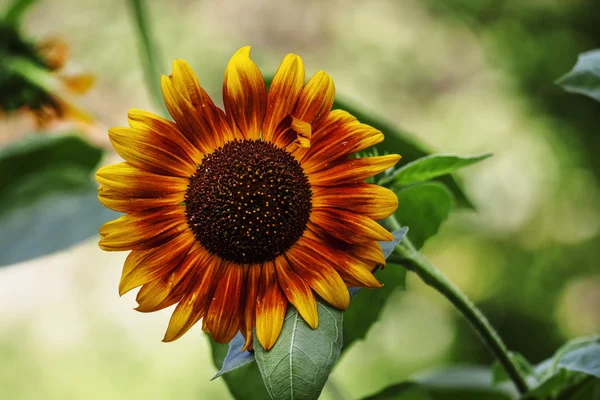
<point>31,78</point>
<point>232,214</point>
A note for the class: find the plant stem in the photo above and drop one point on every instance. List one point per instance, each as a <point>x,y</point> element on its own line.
<point>414,261</point>
<point>148,52</point>
<point>16,10</point>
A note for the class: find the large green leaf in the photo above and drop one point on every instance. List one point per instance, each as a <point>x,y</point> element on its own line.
<point>244,382</point>
<point>430,167</point>
<point>48,200</point>
<point>301,360</point>
<point>423,208</point>
<point>584,78</point>
<point>571,367</point>
<point>459,383</point>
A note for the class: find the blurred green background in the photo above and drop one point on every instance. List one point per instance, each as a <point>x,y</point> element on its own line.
<point>463,76</point>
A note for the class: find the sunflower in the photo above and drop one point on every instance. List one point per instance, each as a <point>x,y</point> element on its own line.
<point>32,78</point>
<point>234,214</point>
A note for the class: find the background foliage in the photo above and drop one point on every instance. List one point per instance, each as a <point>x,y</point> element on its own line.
<point>462,76</point>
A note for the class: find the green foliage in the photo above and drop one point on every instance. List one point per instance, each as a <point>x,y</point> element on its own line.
<point>47,197</point>
<point>453,384</point>
<point>423,208</point>
<point>584,78</point>
<point>430,167</point>
<point>301,360</point>
<point>570,373</point>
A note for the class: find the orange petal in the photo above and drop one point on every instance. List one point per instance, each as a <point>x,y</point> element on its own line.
<point>153,124</point>
<point>348,226</point>
<point>315,99</point>
<point>345,140</point>
<point>283,93</point>
<point>211,118</point>
<point>127,204</point>
<point>353,171</point>
<point>297,292</point>
<point>244,94</point>
<point>271,305</point>
<point>224,316</point>
<point>190,121</point>
<point>169,289</point>
<point>373,201</point>
<point>131,181</point>
<point>318,272</point>
<point>252,281</point>
<point>145,266</point>
<point>143,231</point>
<point>151,152</point>
<point>195,303</point>
<point>353,271</point>
<point>370,251</point>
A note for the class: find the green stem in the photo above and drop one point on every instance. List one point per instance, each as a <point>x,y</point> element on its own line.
<point>414,261</point>
<point>16,10</point>
<point>148,52</point>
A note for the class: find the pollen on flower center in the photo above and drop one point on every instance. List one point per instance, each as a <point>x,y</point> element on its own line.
<point>248,202</point>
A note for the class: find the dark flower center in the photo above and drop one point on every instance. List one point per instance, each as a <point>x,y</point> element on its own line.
<point>248,202</point>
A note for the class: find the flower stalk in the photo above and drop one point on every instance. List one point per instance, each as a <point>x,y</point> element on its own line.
<point>406,254</point>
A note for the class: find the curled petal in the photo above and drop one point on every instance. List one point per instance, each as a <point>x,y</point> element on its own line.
<point>336,145</point>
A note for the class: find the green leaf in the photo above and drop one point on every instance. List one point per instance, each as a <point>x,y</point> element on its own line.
<point>430,167</point>
<point>48,200</point>
<point>423,208</point>
<point>459,383</point>
<point>585,359</point>
<point>236,357</point>
<point>148,50</point>
<point>299,363</point>
<point>525,368</point>
<point>398,141</point>
<point>245,382</point>
<point>584,78</point>
<point>568,368</point>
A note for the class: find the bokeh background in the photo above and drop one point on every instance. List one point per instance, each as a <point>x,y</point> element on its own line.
<point>463,76</point>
